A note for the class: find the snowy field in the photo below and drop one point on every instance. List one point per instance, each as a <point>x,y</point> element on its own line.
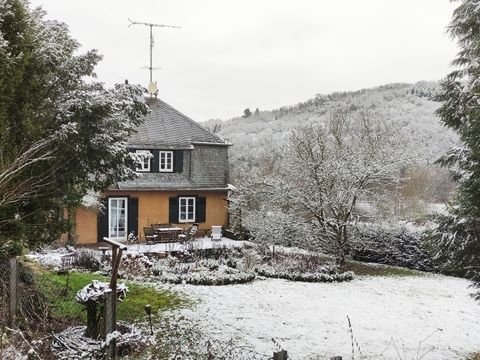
<point>310,319</point>
<point>430,317</point>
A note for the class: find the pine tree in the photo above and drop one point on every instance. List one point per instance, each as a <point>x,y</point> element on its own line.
<point>456,241</point>
<point>62,133</point>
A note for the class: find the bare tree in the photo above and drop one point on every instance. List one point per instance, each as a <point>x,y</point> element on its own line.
<point>18,179</point>
<point>329,167</point>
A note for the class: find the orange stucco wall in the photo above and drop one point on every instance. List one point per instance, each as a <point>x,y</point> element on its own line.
<point>86,226</point>
<point>153,209</point>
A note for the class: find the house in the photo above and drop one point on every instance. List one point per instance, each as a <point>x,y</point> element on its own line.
<point>183,180</point>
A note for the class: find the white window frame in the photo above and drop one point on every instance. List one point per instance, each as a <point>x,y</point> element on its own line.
<point>168,165</point>
<point>110,218</point>
<point>187,199</point>
<point>145,164</point>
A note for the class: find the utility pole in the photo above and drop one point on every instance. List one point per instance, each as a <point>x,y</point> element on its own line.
<point>152,87</point>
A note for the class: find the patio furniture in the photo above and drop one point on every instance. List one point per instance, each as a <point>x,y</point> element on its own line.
<point>103,249</point>
<point>189,233</point>
<point>160,226</point>
<point>216,233</point>
<point>149,234</point>
<point>168,234</point>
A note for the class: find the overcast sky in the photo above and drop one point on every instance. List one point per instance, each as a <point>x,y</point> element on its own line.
<point>230,55</point>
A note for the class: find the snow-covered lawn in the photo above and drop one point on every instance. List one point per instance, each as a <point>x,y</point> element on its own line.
<point>399,318</point>
<point>310,319</point>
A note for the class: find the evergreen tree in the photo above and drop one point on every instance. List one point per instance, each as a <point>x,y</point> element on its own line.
<point>62,133</point>
<point>456,241</point>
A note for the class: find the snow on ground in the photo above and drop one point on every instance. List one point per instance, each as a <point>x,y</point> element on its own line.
<point>310,319</point>
<point>202,243</point>
<point>50,257</point>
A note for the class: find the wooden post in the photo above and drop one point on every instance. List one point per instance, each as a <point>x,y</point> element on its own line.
<point>110,322</point>
<point>12,296</point>
<point>114,256</point>
<point>111,300</point>
<point>280,355</point>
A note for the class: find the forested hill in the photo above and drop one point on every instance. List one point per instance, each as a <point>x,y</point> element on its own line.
<point>409,106</point>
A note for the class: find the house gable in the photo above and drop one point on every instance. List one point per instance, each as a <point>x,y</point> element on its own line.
<point>200,158</point>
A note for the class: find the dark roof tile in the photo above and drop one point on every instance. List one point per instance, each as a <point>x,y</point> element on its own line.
<point>167,127</point>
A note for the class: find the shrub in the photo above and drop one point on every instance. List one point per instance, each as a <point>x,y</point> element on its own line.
<point>87,259</point>
<point>327,276</point>
<point>391,246</point>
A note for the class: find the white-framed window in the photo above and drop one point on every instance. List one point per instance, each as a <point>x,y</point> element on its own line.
<point>117,218</point>
<point>165,161</point>
<point>144,163</point>
<point>186,209</point>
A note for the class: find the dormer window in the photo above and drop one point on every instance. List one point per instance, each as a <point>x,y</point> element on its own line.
<point>166,161</point>
<point>144,164</point>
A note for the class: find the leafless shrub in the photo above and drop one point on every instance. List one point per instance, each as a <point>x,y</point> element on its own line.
<point>88,259</point>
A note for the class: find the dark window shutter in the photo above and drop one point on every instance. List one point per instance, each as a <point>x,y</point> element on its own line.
<point>178,161</point>
<point>154,164</point>
<point>102,220</point>
<point>173,210</point>
<point>132,224</point>
<point>201,209</point>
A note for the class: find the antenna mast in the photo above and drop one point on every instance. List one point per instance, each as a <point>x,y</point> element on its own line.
<point>152,87</point>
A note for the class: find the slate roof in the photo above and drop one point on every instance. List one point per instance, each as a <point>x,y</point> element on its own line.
<point>167,127</point>
<point>205,159</point>
<point>165,182</point>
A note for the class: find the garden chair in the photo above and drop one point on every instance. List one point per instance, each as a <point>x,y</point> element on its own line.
<point>189,234</point>
<point>216,233</point>
<point>149,234</point>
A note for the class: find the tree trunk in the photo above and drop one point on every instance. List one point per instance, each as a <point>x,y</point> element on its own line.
<point>71,213</point>
<point>340,256</point>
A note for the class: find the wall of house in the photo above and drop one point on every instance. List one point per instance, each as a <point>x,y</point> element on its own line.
<point>86,225</point>
<point>153,208</point>
<point>209,165</point>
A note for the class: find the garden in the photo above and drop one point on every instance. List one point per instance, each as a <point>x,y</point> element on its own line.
<point>231,300</point>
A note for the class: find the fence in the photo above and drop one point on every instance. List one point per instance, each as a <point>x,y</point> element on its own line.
<point>8,291</point>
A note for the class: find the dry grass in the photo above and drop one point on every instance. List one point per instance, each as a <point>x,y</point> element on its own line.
<point>369,269</point>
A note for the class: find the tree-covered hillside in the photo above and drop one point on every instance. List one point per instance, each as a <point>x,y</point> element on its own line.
<point>409,106</point>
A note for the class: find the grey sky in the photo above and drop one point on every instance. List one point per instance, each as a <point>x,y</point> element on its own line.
<point>230,55</point>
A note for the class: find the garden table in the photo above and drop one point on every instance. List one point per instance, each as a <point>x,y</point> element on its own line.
<point>168,234</point>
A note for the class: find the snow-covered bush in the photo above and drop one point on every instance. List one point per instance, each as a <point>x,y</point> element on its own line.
<point>272,226</point>
<point>136,264</point>
<point>87,259</point>
<point>388,245</point>
<point>302,267</point>
<point>272,272</point>
<point>73,344</point>
<point>201,272</point>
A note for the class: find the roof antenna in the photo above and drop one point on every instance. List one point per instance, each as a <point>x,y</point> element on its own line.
<point>152,86</point>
